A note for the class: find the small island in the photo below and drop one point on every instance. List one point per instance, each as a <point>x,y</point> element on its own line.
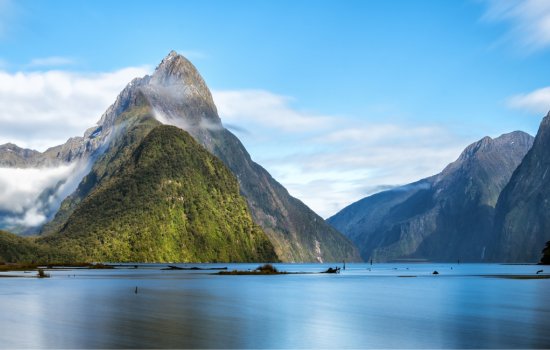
<point>265,269</point>
<point>268,269</point>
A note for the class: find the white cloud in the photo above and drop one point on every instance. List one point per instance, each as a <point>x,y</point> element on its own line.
<point>537,101</point>
<point>20,190</point>
<point>29,196</point>
<point>326,161</point>
<point>329,162</point>
<point>193,55</point>
<point>40,109</point>
<point>43,109</point>
<point>530,20</point>
<point>53,61</point>
<point>260,107</point>
<point>353,168</point>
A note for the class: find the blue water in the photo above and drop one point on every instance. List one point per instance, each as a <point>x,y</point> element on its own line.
<point>465,306</point>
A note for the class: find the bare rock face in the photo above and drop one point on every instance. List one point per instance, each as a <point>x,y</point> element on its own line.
<point>445,217</point>
<point>12,156</point>
<point>522,224</point>
<point>178,95</point>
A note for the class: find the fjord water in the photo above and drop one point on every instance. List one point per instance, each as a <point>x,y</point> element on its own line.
<point>465,306</point>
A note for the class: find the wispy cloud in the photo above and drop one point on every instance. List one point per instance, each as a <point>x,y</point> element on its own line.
<point>49,62</point>
<point>530,21</point>
<point>537,101</point>
<point>43,109</point>
<point>328,161</point>
<point>263,108</point>
<point>7,11</point>
<point>193,55</point>
<point>349,170</point>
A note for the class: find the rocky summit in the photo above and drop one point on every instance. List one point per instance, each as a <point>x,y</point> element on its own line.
<point>446,217</point>
<point>175,94</point>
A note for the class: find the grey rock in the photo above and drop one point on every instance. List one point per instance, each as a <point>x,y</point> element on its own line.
<point>445,217</point>
<point>522,223</point>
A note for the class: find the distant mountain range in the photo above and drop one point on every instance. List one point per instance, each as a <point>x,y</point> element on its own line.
<point>141,191</point>
<point>479,208</point>
<point>160,179</point>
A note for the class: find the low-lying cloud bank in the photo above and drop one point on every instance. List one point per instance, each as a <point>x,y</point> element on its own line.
<point>29,197</point>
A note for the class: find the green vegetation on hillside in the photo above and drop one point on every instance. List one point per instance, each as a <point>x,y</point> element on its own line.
<point>131,128</point>
<point>16,249</point>
<point>167,200</point>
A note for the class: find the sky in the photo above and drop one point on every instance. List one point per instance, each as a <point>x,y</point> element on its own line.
<point>336,99</point>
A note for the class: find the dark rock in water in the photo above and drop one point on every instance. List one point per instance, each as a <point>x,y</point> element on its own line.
<point>266,269</point>
<point>435,273</point>
<point>332,270</point>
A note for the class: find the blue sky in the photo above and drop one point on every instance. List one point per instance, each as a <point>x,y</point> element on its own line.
<point>337,99</point>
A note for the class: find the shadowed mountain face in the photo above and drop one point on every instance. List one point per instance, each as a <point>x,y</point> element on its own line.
<point>167,199</point>
<point>177,95</point>
<point>445,217</point>
<point>522,224</point>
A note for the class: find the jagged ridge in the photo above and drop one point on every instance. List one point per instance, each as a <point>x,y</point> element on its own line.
<point>445,217</point>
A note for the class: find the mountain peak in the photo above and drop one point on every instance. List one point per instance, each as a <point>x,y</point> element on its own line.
<point>175,69</point>
<point>475,147</point>
<point>488,144</point>
<point>175,91</point>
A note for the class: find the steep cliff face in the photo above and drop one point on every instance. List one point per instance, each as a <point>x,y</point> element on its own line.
<point>522,224</point>
<point>177,95</point>
<point>446,217</point>
<point>167,199</point>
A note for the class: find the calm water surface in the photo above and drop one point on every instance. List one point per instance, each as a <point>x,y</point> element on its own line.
<point>465,306</point>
